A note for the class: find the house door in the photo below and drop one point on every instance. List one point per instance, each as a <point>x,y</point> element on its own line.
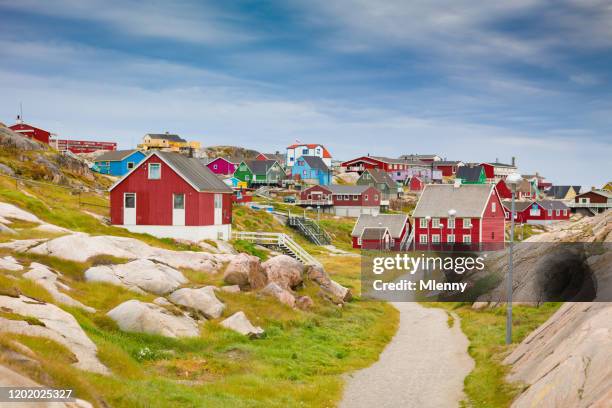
<point>218,209</point>
<point>178,209</point>
<point>129,209</point>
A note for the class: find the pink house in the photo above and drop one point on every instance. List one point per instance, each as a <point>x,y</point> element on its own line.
<point>221,165</point>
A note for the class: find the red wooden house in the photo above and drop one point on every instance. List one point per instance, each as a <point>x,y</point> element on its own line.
<point>221,165</point>
<point>345,201</point>
<point>31,132</point>
<point>415,183</point>
<point>503,190</point>
<point>448,168</point>
<point>466,216</point>
<point>537,212</point>
<point>360,164</point>
<point>171,195</point>
<point>381,232</point>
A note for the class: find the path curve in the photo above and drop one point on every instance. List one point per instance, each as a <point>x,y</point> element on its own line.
<point>423,366</point>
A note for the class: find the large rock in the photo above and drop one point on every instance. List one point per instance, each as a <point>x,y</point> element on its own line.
<point>238,322</point>
<point>202,300</point>
<point>48,279</point>
<point>140,317</point>
<point>242,270</point>
<point>10,211</point>
<point>566,361</point>
<point>283,295</point>
<point>142,275</point>
<point>58,326</point>
<point>10,264</point>
<point>79,247</point>
<point>12,139</point>
<point>283,270</point>
<point>333,289</point>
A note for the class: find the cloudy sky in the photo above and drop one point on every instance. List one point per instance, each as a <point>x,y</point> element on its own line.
<point>467,80</point>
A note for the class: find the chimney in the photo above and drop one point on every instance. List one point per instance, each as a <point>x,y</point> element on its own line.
<point>514,161</point>
<point>496,160</point>
<point>593,188</point>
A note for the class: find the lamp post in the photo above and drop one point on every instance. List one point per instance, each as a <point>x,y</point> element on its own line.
<point>428,219</point>
<point>513,180</point>
<point>451,216</point>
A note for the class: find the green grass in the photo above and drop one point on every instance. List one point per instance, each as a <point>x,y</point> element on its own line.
<point>249,248</point>
<point>486,385</point>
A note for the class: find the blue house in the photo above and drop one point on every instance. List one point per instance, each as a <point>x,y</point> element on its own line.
<point>118,162</point>
<point>311,170</point>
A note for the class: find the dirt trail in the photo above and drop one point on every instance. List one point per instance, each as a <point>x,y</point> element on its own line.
<point>423,366</point>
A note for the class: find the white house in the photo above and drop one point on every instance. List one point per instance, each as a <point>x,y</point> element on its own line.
<point>295,151</point>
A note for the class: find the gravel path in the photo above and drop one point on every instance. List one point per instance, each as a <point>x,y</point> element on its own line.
<point>423,366</point>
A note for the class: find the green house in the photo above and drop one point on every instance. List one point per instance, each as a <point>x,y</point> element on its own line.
<point>244,173</point>
<point>260,172</point>
<point>471,175</point>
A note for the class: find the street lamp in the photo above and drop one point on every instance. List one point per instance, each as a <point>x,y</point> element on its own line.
<point>451,216</point>
<point>513,180</point>
<point>428,218</point>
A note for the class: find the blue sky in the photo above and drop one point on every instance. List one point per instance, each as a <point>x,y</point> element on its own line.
<point>467,80</point>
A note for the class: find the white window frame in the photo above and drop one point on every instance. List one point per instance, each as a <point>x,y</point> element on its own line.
<point>355,197</point>
<point>558,212</point>
<point>467,223</point>
<point>346,197</point>
<point>493,207</point>
<point>423,239</point>
<point>435,223</point>
<point>550,213</point>
<point>467,238</point>
<point>152,165</point>
<point>133,164</point>
<point>359,241</point>
<point>451,223</point>
<point>450,238</point>
<point>174,201</point>
<point>435,239</point>
<point>564,212</point>
<point>423,222</point>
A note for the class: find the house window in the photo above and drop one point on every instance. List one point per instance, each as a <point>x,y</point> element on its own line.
<point>154,171</point>
<point>304,172</point>
<point>435,223</point>
<point>215,166</point>
<point>359,241</point>
<point>534,211</point>
<point>435,239</point>
<point>423,222</point>
<point>365,197</point>
<point>375,197</point>
<point>493,207</point>
<point>345,198</point>
<point>178,201</point>
<point>558,212</point>
<point>564,212</point>
<point>467,223</point>
<point>451,223</point>
<point>549,213</point>
<point>423,238</point>
<point>247,177</point>
<point>129,200</point>
<point>305,151</point>
<point>467,239</point>
<point>450,238</point>
<point>355,197</point>
<point>130,165</point>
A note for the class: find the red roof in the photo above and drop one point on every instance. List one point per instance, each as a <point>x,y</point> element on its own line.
<point>312,146</point>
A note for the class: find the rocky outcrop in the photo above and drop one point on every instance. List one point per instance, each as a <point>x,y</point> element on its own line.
<point>283,270</point>
<point>52,323</point>
<point>79,247</point>
<point>202,300</point>
<point>48,279</point>
<point>14,140</point>
<point>283,295</point>
<point>238,322</point>
<point>10,264</point>
<point>566,361</point>
<point>141,275</point>
<point>10,211</point>
<point>245,271</point>
<point>332,289</point>
<point>140,317</point>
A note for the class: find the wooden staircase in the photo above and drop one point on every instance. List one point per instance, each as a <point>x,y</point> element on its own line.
<point>278,240</point>
<point>310,229</point>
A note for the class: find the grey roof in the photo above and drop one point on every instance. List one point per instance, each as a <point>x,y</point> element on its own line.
<point>115,155</point>
<point>347,189</point>
<point>577,189</point>
<point>279,157</point>
<point>389,159</point>
<point>382,177</point>
<point>418,156</point>
<point>195,172</point>
<point>260,166</point>
<point>166,136</point>
<point>394,222</point>
<point>518,205</point>
<point>552,204</point>
<point>315,162</point>
<point>468,200</point>
<point>558,192</point>
<point>470,174</point>
<point>497,164</point>
<point>446,163</point>
<point>370,233</point>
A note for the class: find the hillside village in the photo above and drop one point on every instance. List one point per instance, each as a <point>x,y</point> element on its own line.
<point>226,276</point>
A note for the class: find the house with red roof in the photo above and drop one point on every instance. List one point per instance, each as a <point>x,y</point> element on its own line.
<point>537,212</point>
<point>31,132</point>
<point>171,195</point>
<point>342,200</point>
<point>297,150</point>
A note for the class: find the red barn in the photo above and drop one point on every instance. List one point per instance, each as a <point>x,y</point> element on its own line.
<point>31,132</point>
<point>345,201</point>
<point>537,212</point>
<point>171,195</point>
<point>477,222</point>
<point>383,231</point>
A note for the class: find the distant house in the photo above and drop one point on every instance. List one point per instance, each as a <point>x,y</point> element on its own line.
<point>311,170</point>
<point>118,162</point>
<point>594,197</point>
<point>31,132</point>
<point>382,181</point>
<point>297,150</point>
<point>415,184</point>
<point>266,172</point>
<point>171,195</point>
<point>167,142</point>
<point>471,175</point>
<point>429,158</point>
<point>540,181</point>
<point>278,156</point>
<point>235,183</point>
<point>381,232</point>
<point>496,170</point>
<point>397,168</point>
<point>446,167</point>
<point>220,165</point>
<point>537,212</point>
<point>82,146</point>
<point>478,220</point>
<point>563,192</point>
<point>607,186</point>
<point>345,201</point>
<point>527,190</point>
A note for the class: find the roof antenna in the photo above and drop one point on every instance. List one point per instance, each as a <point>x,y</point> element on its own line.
<point>20,116</point>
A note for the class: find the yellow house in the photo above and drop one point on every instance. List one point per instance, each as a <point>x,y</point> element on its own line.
<point>607,186</point>
<point>166,142</point>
